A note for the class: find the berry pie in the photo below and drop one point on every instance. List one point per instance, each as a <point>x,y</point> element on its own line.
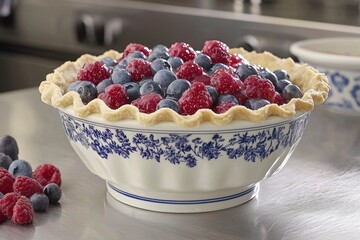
<point>184,85</point>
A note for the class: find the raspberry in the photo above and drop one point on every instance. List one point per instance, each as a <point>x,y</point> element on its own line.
<point>204,78</point>
<point>135,47</point>
<point>93,72</point>
<point>47,173</point>
<point>26,186</point>
<point>256,87</point>
<point>147,103</point>
<point>224,107</point>
<point>6,181</point>
<point>195,98</point>
<point>183,51</point>
<point>139,69</point>
<point>236,59</point>
<point>189,70</point>
<point>240,97</point>
<point>114,96</point>
<point>217,51</point>
<point>278,99</point>
<point>23,212</point>
<point>7,203</point>
<point>225,82</point>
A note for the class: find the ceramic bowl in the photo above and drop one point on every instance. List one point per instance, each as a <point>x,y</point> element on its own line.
<point>339,59</point>
<point>172,169</point>
<point>167,162</point>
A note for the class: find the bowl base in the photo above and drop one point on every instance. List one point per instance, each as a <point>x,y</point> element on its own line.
<point>184,202</point>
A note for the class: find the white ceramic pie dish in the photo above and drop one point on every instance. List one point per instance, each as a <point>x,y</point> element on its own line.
<point>339,59</point>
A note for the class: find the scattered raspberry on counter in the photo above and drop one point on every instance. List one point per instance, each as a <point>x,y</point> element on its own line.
<point>23,212</point>
<point>26,186</point>
<point>6,181</point>
<point>47,173</point>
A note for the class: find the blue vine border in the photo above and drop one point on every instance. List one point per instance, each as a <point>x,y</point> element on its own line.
<point>184,148</point>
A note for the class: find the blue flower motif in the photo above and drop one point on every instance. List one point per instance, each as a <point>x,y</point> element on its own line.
<point>190,161</point>
<point>209,150</point>
<point>355,93</point>
<point>339,81</point>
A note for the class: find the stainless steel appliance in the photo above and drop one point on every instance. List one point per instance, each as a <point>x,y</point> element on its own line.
<point>38,35</point>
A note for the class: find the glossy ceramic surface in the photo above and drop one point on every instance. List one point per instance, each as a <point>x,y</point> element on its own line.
<point>172,169</point>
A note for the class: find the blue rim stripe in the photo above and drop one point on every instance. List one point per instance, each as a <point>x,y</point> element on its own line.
<point>183,202</point>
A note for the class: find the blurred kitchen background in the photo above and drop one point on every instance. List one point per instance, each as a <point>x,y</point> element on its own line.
<point>36,36</point>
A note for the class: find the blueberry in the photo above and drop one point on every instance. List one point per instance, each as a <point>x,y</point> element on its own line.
<point>8,146</point>
<point>213,93</point>
<point>227,98</point>
<point>164,78</point>
<point>135,54</point>
<point>291,91</point>
<point>175,62</point>
<point>282,74</point>
<point>158,55</point>
<point>267,74</point>
<point>256,103</point>
<point>217,66</point>
<point>151,86</point>
<point>1,195</point>
<point>144,81</point>
<point>109,62</point>
<point>53,192</point>
<point>122,64</point>
<point>168,103</point>
<point>72,86</point>
<point>103,84</point>
<point>203,61</point>
<point>132,90</point>
<point>20,168</point>
<point>159,64</point>
<point>177,88</point>
<point>281,84</point>
<point>5,161</point>
<point>120,76</point>
<point>39,201</point>
<point>160,48</point>
<point>87,91</point>
<point>245,70</point>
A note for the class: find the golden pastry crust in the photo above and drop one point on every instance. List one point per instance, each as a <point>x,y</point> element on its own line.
<point>314,85</point>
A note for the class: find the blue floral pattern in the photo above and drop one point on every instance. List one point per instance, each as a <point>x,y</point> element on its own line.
<point>184,148</point>
<point>339,80</point>
<point>355,92</point>
<point>345,93</point>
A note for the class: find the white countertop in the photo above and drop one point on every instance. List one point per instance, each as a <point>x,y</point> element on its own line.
<point>315,196</point>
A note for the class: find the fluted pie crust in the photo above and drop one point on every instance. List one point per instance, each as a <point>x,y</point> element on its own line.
<point>313,84</point>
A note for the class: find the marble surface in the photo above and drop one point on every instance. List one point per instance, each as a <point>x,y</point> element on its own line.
<point>315,196</point>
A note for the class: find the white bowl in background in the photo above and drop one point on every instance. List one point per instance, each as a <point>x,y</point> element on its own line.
<point>339,59</point>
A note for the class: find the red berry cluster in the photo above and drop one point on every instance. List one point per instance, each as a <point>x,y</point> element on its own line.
<point>15,204</point>
<point>214,68</point>
<point>23,191</point>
